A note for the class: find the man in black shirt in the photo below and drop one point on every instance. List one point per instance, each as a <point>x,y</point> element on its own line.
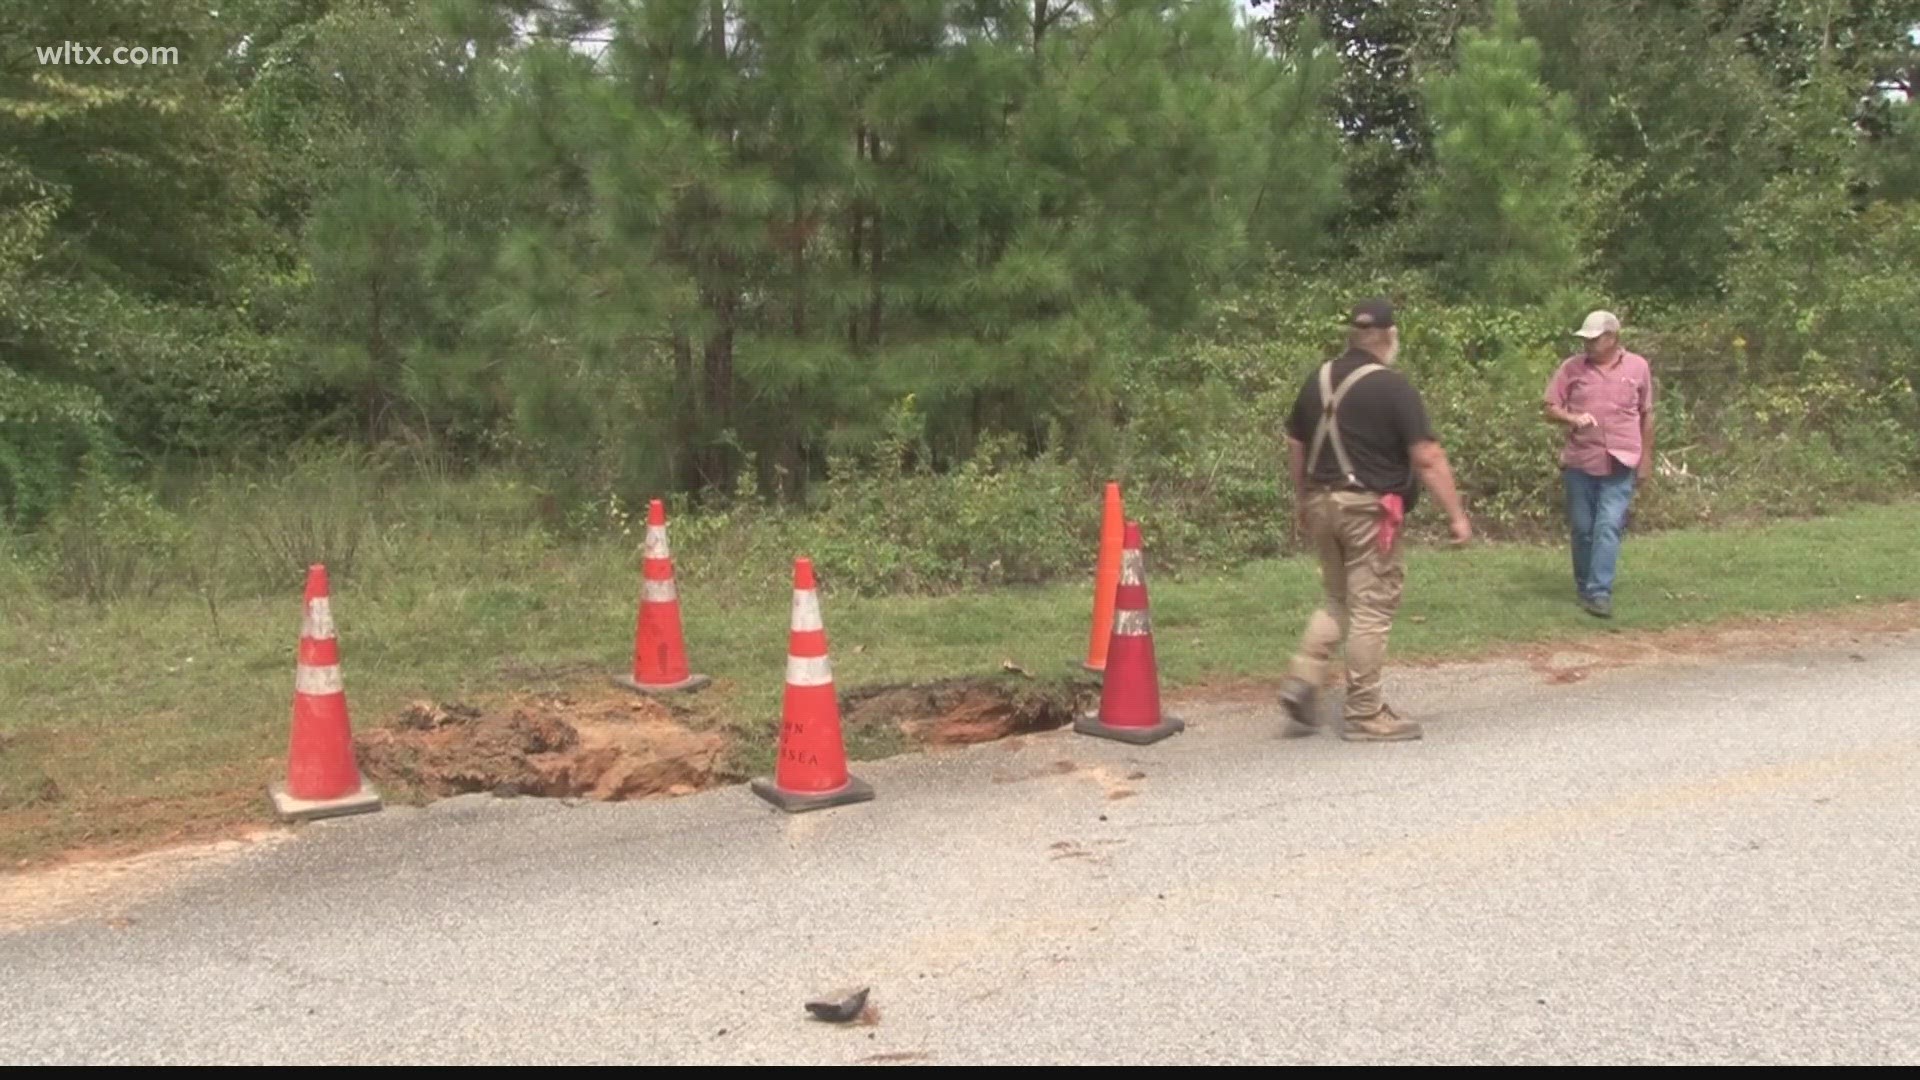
<point>1360,446</point>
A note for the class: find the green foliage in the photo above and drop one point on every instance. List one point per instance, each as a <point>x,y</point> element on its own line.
<point>1683,120</point>
<point>111,541</point>
<point>706,249</point>
<point>1892,163</point>
<point>673,269</point>
<point>264,529</point>
<point>1386,50</point>
<point>1504,212</point>
<point>1304,191</point>
<point>154,174</point>
<point>127,234</point>
<point>47,433</point>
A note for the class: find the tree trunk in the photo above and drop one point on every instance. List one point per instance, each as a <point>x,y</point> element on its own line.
<point>799,242</point>
<point>686,416</point>
<point>719,377</point>
<point>856,247</point>
<point>377,359</point>
<point>874,260</point>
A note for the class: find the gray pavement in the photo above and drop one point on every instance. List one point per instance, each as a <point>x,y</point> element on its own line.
<point>1712,861</point>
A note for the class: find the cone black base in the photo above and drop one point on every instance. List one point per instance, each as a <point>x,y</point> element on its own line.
<point>364,801</point>
<point>685,686</point>
<point>1169,726</point>
<point>855,790</point>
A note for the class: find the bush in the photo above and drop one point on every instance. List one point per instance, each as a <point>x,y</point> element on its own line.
<point>317,506</point>
<point>889,524</point>
<point>47,432</point>
<point>111,541</point>
<point>1198,449</point>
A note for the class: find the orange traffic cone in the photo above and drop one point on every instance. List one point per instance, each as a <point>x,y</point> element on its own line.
<point>1106,574</point>
<point>323,778</point>
<point>811,773</point>
<point>659,650</point>
<point>1130,695</point>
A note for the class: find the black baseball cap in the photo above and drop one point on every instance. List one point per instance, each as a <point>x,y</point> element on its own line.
<point>1375,313</point>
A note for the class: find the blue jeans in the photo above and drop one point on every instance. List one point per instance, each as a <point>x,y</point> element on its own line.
<point>1597,512</point>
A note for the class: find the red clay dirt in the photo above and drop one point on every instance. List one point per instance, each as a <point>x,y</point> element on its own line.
<point>965,711</point>
<point>612,750</point>
<point>1572,658</point>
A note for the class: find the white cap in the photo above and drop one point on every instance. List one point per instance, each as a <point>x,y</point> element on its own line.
<point>1599,322</point>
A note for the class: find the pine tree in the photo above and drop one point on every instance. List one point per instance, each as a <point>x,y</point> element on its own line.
<point>1304,191</point>
<point>1892,163</point>
<point>1504,211</point>
<point>766,222</point>
<point>1680,116</point>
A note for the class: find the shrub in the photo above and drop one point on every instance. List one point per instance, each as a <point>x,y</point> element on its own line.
<point>111,541</point>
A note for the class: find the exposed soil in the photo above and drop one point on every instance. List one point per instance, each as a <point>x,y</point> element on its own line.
<point>626,747</point>
<point>1115,783</point>
<point>964,711</point>
<point>1597,646</point>
<point>98,889</point>
<point>1574,661</point>
<point>611,749</point>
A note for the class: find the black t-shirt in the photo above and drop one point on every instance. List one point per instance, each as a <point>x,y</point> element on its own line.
<point>1380,419</point>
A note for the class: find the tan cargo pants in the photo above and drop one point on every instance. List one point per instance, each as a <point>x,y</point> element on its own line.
<point>1361,589</point>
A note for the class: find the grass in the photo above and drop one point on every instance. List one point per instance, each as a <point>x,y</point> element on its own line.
<point>145,721</point>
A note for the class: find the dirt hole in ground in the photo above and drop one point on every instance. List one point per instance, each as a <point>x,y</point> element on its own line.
<point>555,746</point>
<point>963,711</point>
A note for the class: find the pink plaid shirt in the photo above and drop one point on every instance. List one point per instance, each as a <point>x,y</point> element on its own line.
<point>1618,396</point>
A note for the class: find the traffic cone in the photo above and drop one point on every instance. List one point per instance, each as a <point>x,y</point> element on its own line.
<point>1130,695</point>
<point>811,773</point>
<point>1105,576</point>
<point>659,650</point>
<point>323,778</point>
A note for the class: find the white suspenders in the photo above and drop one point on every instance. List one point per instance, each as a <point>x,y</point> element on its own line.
<point>1329,429</point>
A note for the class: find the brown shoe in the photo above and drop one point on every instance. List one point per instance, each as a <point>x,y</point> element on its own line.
<point>1297,698</point>
<point>1383,726</point>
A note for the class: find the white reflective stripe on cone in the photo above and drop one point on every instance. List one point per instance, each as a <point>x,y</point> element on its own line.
<point>1133,568</point>
<point>657,542</point>
<point>318,680</point>
<point>317,623</point>
<point>658,592</point>
<point>806,610</point>
<point>809,671</point>
<point>1132,624</point>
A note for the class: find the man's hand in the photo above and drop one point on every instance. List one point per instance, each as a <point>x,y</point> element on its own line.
<point>1297,472</point>
<point>1645,471</point>
<point>1576,421</point>
<point>1462,529</point>
<point>1431,462</point>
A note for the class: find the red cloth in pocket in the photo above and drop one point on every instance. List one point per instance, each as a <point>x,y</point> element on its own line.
<point>1396,512</point>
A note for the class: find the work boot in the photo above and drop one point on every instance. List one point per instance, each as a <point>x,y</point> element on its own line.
<point>1297,698</point>
<point>1383,726</point>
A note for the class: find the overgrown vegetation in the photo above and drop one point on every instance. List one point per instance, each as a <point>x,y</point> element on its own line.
<point>900,283</point>
<point>102,753</point>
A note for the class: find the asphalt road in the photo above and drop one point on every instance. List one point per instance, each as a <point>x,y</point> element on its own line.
<point>1714,861</point>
